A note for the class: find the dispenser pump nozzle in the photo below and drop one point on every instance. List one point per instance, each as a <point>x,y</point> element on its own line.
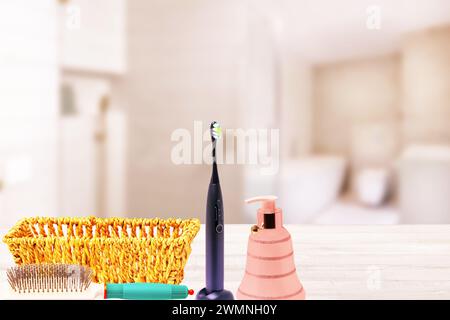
<point>269,217</point>
<point>268,202</point>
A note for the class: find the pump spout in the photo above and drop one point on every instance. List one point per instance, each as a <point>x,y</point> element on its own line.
<point>269,216</point>
<point>268,198</point>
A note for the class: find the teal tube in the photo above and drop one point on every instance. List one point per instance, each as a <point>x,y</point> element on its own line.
<point>145,291</point>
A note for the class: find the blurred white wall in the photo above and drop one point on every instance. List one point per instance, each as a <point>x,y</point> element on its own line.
<point>92,35</point>
<point>353,93</point>
<point>207,60</point>
<point>92,149</point>
<point>425,75</point>
<point>296,112</point>
<point>28,109</point>
<point>357,111</point>
<point>246,63</point>
<point>406,94</point>
<point>184,64</point>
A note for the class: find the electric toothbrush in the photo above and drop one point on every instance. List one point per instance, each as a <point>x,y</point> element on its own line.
<point>214,232</point>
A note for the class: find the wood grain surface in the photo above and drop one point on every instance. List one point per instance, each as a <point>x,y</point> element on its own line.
<point>342,262</point>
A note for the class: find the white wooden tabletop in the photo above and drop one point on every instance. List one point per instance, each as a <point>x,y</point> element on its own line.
<point>349,262</point>
<point>343,262</point>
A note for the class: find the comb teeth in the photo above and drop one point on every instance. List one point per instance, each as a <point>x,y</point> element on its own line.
<point>49,278</point>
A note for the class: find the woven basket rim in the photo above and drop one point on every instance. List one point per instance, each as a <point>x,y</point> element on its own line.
<point>192,226</point>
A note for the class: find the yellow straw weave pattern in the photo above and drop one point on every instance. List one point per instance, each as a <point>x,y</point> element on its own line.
<point>117,250</point>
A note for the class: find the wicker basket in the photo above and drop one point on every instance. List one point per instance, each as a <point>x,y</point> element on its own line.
<point>117,250</point>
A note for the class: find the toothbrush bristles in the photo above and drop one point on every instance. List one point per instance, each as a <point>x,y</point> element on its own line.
<point>49,278</point>
<point>216,131</point>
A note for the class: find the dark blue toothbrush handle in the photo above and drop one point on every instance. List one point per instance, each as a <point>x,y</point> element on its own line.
<point>214,239</point>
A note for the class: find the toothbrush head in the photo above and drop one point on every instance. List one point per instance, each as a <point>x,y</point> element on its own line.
<point>216,131</point>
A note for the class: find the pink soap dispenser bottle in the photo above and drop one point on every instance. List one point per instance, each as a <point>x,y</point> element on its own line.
<point>270,272</point>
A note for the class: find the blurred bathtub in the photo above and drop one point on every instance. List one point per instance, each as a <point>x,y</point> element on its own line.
<point>308,185</point>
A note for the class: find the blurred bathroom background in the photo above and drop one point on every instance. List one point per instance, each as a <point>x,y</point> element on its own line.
<point>91,90</point>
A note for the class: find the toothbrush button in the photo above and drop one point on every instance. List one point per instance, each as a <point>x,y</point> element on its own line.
<point>219,228</point>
